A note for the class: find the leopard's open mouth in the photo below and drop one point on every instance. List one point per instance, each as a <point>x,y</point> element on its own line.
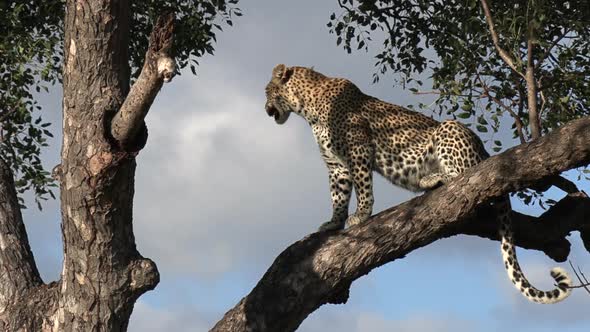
<point>272,111</point>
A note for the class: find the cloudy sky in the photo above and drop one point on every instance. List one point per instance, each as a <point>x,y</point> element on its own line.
<point>222,190</point>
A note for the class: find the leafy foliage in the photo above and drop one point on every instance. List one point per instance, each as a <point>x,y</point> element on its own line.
<point>31,53</point>
<point>450,40</point>
<point>30,58</point>
<point>194,29</point>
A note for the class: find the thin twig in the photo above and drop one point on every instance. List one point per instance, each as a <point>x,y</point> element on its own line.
<point>548,50</point>
<point>517,120</point>
<point>583,284</point>
<point>344,6</point>
<point>503,54</point>
<point>583,276</point>
<point>440,93</point>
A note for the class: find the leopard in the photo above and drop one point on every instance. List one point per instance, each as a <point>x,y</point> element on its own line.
<point>358,134</point>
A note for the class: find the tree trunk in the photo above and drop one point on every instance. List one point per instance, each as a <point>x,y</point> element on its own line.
<point>103,274</point>
<point>18,272</point>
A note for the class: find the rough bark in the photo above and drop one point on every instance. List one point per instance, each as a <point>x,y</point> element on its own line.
<point>320,268</point>
<point>546,233</point>
<point>26,304</point>
<point>103,273</point>
<point>18,272</point>
<point>531,85</point>
<point>128,122</point>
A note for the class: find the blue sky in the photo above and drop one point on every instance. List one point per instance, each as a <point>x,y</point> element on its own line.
<point>221,190</point>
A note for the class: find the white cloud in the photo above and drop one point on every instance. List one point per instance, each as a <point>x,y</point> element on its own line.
<point>349,321</point>
<point>220,182</point>
<point>517,309</point>
<point>146,318</point>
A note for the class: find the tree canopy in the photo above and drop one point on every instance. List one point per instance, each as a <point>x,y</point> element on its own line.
<point>480,73</point>
<point>31,57</point>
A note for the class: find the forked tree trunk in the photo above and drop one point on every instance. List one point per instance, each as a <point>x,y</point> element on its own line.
<point>103,273</point>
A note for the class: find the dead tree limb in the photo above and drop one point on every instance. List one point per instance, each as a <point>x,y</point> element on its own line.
<point>320,268</point>
<point>158,68</point>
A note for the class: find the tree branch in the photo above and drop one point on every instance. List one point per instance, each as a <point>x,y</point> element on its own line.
<point>440,93</point>
<point>18,272</point>
<point>158,68</point>
<point>581,277</point>
<point>534,120</point>
<point>503,54</point>
<point>546,233</point>
<point>320,268</point>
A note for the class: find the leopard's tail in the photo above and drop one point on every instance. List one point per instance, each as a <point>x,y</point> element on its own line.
<point>562,279</point>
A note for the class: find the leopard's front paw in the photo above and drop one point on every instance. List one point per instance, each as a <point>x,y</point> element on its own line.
<point>331,226</point>
<point>356,219</point>
<point>431,181</point>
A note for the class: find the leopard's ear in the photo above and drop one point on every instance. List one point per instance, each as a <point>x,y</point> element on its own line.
<point>281,73</point>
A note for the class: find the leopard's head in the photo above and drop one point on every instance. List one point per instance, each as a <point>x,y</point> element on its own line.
<point>278,103</point>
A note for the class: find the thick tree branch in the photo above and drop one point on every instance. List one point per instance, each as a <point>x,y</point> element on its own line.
<point>18,272</point>
<point>565,184</point>
<point>559,182</point>
<point>503,54</point>
<point>158,68</point>
<point>320,268</point>
<point>547,233</point>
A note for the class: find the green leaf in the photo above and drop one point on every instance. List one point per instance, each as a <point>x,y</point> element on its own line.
<point>481,128</point>
<point>481,120</point>
<point>466,107</point>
